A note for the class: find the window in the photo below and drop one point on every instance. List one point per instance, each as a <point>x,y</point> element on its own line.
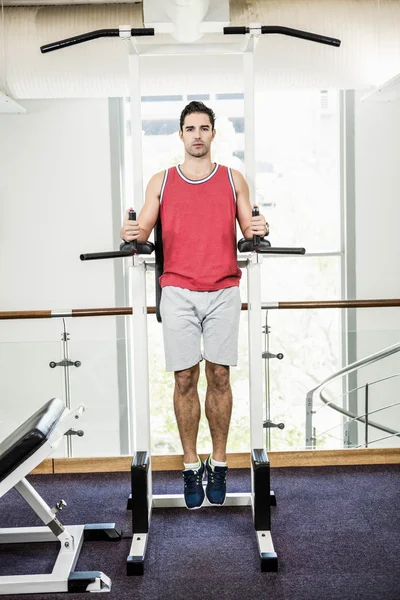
<point>229,96</point>
<point>161,98</point>
<point>160,127</point>
<point>200,97</point>
<point>297,188</point>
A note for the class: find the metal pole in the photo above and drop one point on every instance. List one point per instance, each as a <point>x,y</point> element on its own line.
<point>309,420</point>
<point>67,383</point>
<point>254,263</point>
<point>255,352</point>
<point>138,353</point>
<point>136,127</point>
<point>366,413</point>
<point>249,116</point>
<point>267,385</point>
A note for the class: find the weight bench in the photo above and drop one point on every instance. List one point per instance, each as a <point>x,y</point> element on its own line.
<point>20,453</point>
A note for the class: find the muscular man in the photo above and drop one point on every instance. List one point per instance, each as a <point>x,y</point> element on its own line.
<point>198,203</point>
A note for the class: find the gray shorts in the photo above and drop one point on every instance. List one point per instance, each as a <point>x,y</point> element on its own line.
<point>187,314</point>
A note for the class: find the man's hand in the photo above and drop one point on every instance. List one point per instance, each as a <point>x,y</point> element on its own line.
<point>258,226</point>
<point>130,230</point>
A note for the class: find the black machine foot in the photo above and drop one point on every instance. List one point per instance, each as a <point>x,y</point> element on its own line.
<point>129,503</point>
<point>269,562</point>
<point>272,498</point>
<point>88,581</point>
<point>105,532</point>
<point>134,566</point>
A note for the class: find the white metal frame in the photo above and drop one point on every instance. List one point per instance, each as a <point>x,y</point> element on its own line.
<point>140,406</point>
<point>70,538</point>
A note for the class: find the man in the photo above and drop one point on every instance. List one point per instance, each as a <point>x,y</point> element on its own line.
<point>198,203</point>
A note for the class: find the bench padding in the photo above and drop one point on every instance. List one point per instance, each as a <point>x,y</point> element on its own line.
<point>29,436</point>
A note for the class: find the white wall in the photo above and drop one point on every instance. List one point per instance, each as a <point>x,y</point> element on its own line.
<point>377,178</point>
<point>55,203</point>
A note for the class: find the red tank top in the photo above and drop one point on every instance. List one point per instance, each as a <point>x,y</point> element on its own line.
<point>198,221</point>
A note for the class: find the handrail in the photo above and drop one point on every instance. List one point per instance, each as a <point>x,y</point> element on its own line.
<point>126,310</point>
<point>359,387</point>
<point>385,303</point>
<point>344,371</point>
<point>371,412</point>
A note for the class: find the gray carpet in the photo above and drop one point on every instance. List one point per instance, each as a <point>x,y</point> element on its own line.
<point>336,531</point>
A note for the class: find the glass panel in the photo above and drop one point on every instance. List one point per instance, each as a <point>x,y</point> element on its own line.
<point>310,340</point>
<point>297,180</point>
<point>27,382</point>
<point>95,385</point>
<point>97,378</point>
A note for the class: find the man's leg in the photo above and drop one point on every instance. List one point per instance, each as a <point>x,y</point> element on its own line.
<point>187,410</point>
<point>218,407</point>
<point>220,331</point>
<point>218,412</point>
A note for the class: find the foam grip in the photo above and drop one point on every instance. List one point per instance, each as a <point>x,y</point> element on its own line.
<point>132,217</point>
<point>256,238</point>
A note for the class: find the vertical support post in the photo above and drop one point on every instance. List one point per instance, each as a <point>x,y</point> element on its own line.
<point>309,420</point>
<point>266,332</point>
<point>136,127</point>
<point>141,479</point>
<point>140,397</point>
<point>366,413</point>
<point>140,415</point>
<point>254,264</point>
<point>254,315</point>
<point>67,383</point>
<point>249,116</point>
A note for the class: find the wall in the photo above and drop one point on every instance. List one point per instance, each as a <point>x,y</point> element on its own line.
<point>377,180</point>
<point>55,203</point>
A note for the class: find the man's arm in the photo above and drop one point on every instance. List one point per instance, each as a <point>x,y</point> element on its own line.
<point>141,229</point>
<point>249,225</point>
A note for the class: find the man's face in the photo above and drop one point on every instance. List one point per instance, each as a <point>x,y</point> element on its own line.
<point>197,134</point>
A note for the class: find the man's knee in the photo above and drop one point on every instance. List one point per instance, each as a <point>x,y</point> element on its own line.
<point>217,377</point>
<point>186,380</point>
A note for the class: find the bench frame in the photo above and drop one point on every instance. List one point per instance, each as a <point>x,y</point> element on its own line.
<point>62,578</point>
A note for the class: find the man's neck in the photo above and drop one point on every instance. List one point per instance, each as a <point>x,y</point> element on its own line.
<point>197,168</point>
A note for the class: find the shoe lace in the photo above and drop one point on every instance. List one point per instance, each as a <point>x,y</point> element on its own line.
<point>218,479</point>
<point>192,479</point>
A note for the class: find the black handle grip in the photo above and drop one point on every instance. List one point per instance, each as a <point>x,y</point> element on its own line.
<point>101,255</point>
<point>237,30</point>
<point>256,238</point>
<point>297,33</point>
<point>303,35</point>
<point>92,35</point>
<point>132,217</point>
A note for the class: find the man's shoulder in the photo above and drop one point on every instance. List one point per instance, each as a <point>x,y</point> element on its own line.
<point>235,172</point>
<point>157,177</point>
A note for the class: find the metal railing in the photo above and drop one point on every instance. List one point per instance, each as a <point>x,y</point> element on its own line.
<point>311,437</point>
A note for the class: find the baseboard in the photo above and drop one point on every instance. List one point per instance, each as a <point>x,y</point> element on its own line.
<point>237,460</point>
<point>46,467</point>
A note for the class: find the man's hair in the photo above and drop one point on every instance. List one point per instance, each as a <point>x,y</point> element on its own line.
<point>197,107</point>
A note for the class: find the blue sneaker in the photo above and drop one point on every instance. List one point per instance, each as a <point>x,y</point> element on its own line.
<point>216,485</point>
<point>193,487</point>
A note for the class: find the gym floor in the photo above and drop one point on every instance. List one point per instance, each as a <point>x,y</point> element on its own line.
<point>336,531</point>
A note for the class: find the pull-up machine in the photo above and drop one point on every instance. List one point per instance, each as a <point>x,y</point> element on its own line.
<point>251,254</point>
